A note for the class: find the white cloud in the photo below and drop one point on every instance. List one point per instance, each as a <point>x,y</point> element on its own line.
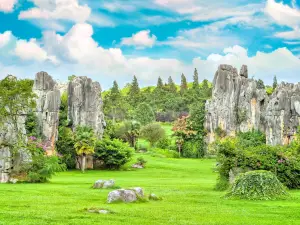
<point>280,62</point>
<point>7,5</point>
<point>286,16</point>
<point>283,14</point>
<point>141,39</point>
<point>289,35</point>
<point>30,50</point>
<point>57,10</point>
<point>5,38</point>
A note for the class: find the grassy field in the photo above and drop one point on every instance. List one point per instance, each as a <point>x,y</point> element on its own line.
<point>186,186</point>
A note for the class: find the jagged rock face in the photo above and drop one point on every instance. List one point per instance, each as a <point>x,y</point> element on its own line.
<point>47,108</point>
<point>236,104</point>
<point>283,114</point>
<point>85,104</point>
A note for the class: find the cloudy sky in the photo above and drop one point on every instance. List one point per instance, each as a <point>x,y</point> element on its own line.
<point>116,39</point>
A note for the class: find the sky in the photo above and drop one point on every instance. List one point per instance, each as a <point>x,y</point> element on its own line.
<point>110,40</point>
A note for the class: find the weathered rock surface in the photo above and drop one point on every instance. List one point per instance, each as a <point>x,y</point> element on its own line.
<point>85,104</point>
<point>238,105</point>
<point>47,108</point>
<point>283,114</point>
<point>99,184</point>
<point>125,195</point>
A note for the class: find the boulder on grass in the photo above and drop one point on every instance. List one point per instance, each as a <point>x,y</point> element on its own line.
<point>125,195</point>
<point>103,184</point>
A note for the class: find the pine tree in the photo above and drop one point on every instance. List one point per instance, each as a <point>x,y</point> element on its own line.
<point>171,85</point>
<point>184,85</point>
<point>134,93</point>
<point>115,92</point>
<point>160,83</point>
<point>275,82</point>
<point>196,80</point>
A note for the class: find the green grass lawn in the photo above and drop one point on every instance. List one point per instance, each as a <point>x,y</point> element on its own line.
<point>186,186</point>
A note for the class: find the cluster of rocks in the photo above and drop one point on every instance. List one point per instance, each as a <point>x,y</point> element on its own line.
<point>238,104</point>
<point>99,184</point>
<point>84,109</point>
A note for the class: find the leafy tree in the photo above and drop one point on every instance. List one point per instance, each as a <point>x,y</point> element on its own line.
<point>171,85</point>
<point>196,80</point>
<point>16,98</point>
<point>70,78</point>
<point>31,125</point>
<point>153,133</point>
<point>84,143</point>
<point>184,85</point>
<point>206,90</point>
<point>182,132</point>
<point>144,114</point>
<point>260,84</point>
<point>275,83</point>
<point>129,131</point>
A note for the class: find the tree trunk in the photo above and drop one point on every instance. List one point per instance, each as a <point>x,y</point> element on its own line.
<point>179,150</point>
<point>83,162</point>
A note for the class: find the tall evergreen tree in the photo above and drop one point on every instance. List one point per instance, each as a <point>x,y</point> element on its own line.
<point>275,83</point>
<point>134,93</point>
<point>184,85</point>
<point>171,85</point>
<point>160,83</point>
<point>196,80</point>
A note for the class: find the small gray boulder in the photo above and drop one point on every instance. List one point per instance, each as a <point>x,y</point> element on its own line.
<point>125,195</point>
<point>103,184</point>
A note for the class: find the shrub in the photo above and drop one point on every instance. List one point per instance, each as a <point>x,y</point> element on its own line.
<point>192,149</point>
<point>164,143</point>
<point>42,167</point>
<point>251,139</point>
<point>65,147</point>
<point>153,133</point>
<point>141,161</point>
<point>280,160</point>
<point>113,153</point>
<point>164,153</point>
<point>257,185</point>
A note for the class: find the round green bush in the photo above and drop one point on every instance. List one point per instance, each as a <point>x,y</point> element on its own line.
<point>257,185</point>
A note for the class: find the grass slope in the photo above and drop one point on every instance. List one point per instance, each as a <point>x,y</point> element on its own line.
<point>186,186</point>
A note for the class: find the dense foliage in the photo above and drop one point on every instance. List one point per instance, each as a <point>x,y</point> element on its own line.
<point>248,151</point>
<point>113,153</point>
<point>257,185</point>
<point>153,133</point>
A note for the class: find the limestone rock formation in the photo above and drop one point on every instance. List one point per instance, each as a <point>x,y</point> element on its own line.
<point>283,114</point>
<point>85,104</point>
<point>99,184</point>
<point>47,108</point>
<point>236,104</point>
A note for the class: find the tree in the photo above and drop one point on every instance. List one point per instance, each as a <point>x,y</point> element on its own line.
<point>16,99</point>
<point>114,104</point>
<point>275,83</point>
<point>196,80</point>
<point>153,133</point>
<point>196,123</point>
<point>72,77</point>
<point>129,131</point>
<point>134,93</point>
<point>84,143</point>
<point>171,85</point>
<point>260,84</point>
<point>184,85</point>
<point>182,132</point>
<point>144,114</point>
<point>160,83</point>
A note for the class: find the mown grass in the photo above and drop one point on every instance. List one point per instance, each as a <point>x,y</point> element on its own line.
<point>186,186</point>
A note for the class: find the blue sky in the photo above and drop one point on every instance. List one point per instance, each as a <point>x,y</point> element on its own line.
<point>117,39</point>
